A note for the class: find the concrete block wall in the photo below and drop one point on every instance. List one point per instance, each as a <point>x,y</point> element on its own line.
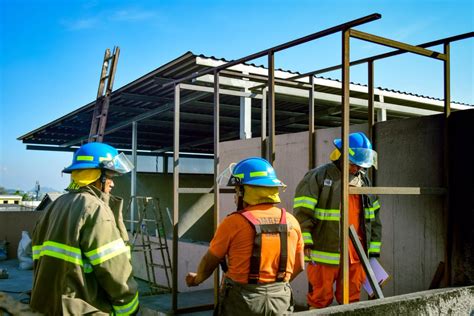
<point>12,223</point>
<point>410,154</point>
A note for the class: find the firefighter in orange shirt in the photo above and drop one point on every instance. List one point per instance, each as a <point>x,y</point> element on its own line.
<point>262,244</point>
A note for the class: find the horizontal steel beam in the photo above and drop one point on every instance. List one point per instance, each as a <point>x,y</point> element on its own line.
<point>395,44</point>
<point>398,190</point>
<point>204,190</point>
<point>299,41</point>
<point>164,108</point>
<point>128,152</point>
<point>221,91</point>
<point>385,55</point>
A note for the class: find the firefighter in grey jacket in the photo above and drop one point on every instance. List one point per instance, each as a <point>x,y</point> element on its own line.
<point>317,208</point>
<point>81,258</point>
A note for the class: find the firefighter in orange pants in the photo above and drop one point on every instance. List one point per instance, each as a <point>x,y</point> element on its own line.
<point>317,208</point>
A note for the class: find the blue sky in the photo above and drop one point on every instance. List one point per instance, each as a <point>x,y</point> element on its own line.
<point>51,53</point>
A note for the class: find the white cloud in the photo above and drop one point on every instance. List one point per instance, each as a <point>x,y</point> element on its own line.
<point>131,15</point>
<point>80,24</point>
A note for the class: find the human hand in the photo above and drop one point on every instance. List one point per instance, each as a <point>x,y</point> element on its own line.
<point>191,279</point>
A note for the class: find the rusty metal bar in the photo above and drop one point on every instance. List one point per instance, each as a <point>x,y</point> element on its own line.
<point>385,55</point>
<point>264,138</point>
<point>271,107</point>
<point>174,290</point>
<point>395,44</point>
<point>216,173</point>
<point>447,112</point>
<point>311,131</point>
<point>299,41</point>
<point>344,226</point>
<point>370,110</point>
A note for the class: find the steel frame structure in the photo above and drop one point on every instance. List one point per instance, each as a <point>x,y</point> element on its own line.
<point>267,95</point>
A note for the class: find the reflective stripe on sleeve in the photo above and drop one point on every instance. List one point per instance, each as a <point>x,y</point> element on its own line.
<point>305,201</point>
<point>59,251</point>
<point>128,308</point>
<point>325,257</point>
<point>307,238</point>
<point>375,247</point>
<point>327,214</point>
<point>107,251</point>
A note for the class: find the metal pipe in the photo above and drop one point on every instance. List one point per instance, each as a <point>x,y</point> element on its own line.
<point>216,174</point>
<point>271,107</point>
<point>311,131</point>
<point>133,185</point>
<point>298,41</point>
<point>174,290</point>
<point>395,44</point>
<point>370,110</point>
<point>264,138</point>
<point>447,202</point>
<point>345,167</point>
<point>385,55</point>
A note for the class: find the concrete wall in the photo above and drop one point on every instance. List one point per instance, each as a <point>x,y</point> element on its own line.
<point>12,224</point>
<point>451,301</point>
<point>161,186</point>
<point>461,190</point>
<point>410,154</point>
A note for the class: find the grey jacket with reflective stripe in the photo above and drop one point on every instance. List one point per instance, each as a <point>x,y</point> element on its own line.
<point>81,260</point>
<point>317,208</point>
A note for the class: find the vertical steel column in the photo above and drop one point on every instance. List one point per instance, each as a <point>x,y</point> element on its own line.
<point>344,224</point>
<point>370,98</point>
<point>311,131</point>
<point>264,138</point>
<point>271,107</point>
<point>447,113</point>
<point>370,111</point>
<point>216,174</point>
<point>133,184</point>
<point>174,299</point>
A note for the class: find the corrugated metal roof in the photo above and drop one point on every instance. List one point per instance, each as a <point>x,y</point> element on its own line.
<point>149,101</point>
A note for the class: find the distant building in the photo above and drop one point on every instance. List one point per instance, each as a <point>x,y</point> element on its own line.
<point>10,199</point>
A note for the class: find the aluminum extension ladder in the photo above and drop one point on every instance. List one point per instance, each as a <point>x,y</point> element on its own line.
<point>101,109</point>
<point>150,219</point>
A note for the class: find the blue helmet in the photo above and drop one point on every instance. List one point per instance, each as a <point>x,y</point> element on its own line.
<point>99,156</point>
<point>254,171</point>
<point>360,150</point>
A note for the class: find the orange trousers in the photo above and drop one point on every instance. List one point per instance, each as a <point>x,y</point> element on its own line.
<point>322,278</point>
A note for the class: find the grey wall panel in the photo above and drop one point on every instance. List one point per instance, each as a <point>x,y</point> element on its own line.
<point>410,154</point>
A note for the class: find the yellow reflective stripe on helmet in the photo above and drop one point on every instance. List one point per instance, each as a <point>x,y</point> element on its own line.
<point>351,152</point>
<point>58,251</point>
<point>325,257</point>
<point>239,175</point>
<point>127,309</point>
<point>305,201</point>
<point>85,158</point>
<point>307,238</point>
<point>258,174</point>
<point>375,247</point>
<point>327,214</point>
<point>107,251</point>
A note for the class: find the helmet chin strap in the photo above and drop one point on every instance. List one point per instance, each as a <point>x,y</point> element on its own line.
<point>103,178</point>
<point>240,198</point>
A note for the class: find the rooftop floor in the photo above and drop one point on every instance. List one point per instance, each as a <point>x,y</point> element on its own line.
<point>19,282</point>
